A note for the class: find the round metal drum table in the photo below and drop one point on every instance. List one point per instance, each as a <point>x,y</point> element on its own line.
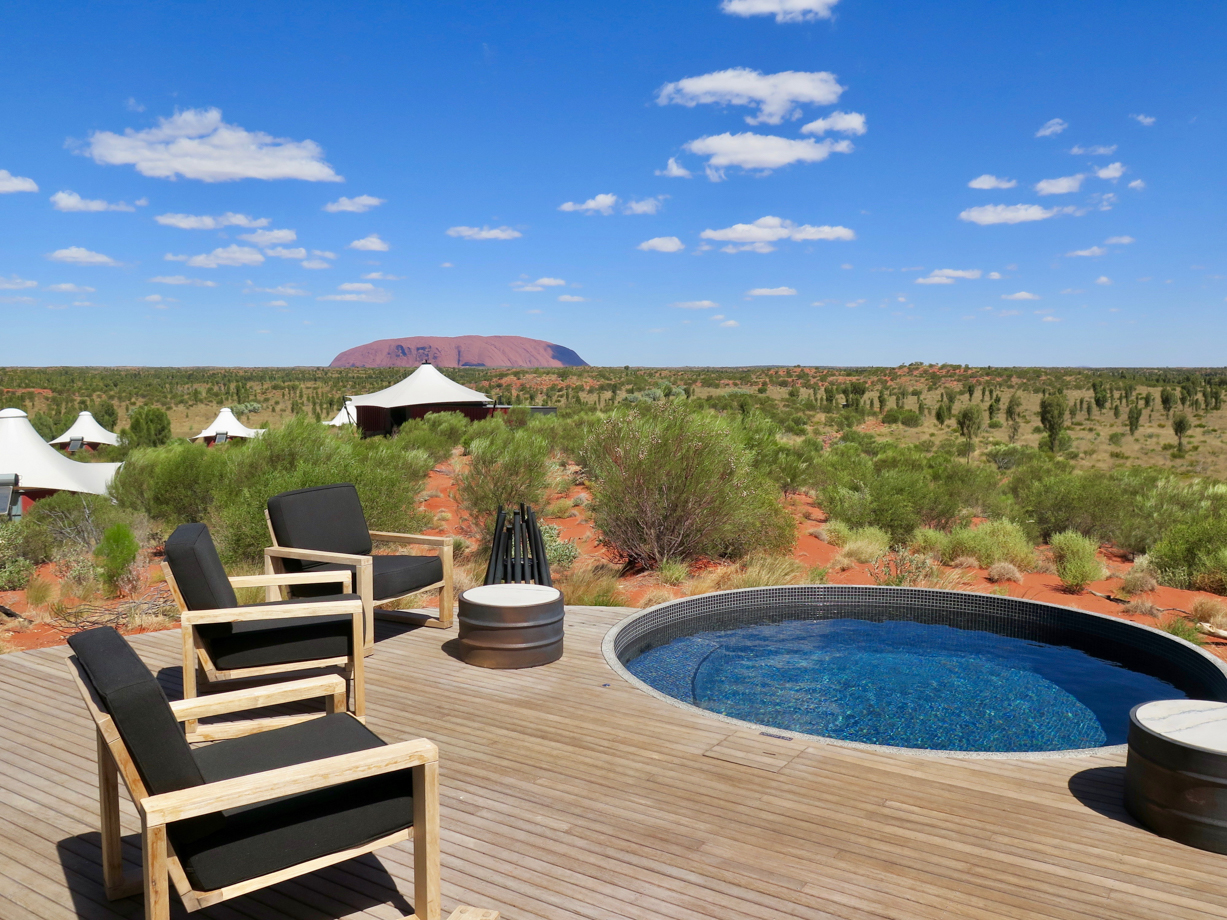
<point>510,626</point>
<point>1176,774</point>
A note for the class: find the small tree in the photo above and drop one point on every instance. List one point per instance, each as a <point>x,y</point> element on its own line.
<point>1180,427</point>
<point>970,421</point>
<point>1135,419</point>
<point>1052,416</point>
<point>1013,409</point>
<point>942,413</point>
<point>115,553</point>
<point>1168,398</point>
<point>148,426</point>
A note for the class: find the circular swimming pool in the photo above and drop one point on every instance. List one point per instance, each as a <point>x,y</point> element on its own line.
<point>910,668</point>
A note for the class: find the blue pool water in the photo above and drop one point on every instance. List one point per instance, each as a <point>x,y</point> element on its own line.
<point>904,684</point>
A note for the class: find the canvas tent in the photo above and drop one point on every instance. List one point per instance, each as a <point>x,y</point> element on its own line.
<point>422,392</point>
<point>346,416</point>
<point>226,427</point>
<point>85,432</point>
<point>40,469</point>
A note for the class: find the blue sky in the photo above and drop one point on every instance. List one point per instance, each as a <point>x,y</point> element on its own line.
<point>703,182</point>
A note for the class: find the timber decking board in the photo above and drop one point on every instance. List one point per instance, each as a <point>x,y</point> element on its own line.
<point>567,793</point>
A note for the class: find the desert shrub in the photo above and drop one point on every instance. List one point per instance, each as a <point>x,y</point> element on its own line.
<point>115,554</point>
<point>174,484</point>
<point>592,586</point>
<point>435,434</point>
<point>905,570</point>
<point>865,544</point>
<point>15,569</point>
<point>1193,554</point>
<point>557,509</point>
<point>835,532</point>
<point>965,562</point>
<point>672,573</point>
<point>559,553</point>
<point>817,575</point>
<point>39,592</point>
<point>1004,541</point>
<point>763,571</point>
<point>66,524</point>
<point>1139,580</point>
<point>482,429</point>
<point>1004,571</point>
<point>148,426</point>
<point>669,482</point>
<point>1075,559</point>
<point>1139,606</point>
<point>1210,611</point>
<point>505,468</point>
<point>929,542</point>
<point>1182,629</point>
<point>654,597</point>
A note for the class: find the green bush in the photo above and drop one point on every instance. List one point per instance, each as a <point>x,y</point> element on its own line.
<point>15,569</point>
<point>929,542</point>
<point>148,426</point>
<point>115,554</point>
<point>1193,554</point>
<point>174,484</point>
<point>559,553</point>
<point>505,468</point>
<point>1076,560</point>
<point>435,435</point>
<point>672,483</point>
<point>66,524</point>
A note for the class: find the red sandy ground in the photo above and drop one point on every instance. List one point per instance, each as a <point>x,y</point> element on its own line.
<point>808,550</point>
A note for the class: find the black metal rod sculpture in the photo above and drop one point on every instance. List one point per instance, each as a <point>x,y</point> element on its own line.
<point>517,552</point>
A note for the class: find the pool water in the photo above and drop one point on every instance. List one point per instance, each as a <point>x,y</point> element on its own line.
<point>904,684</point>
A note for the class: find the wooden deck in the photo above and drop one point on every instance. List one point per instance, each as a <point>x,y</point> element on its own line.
<point>569,794</point>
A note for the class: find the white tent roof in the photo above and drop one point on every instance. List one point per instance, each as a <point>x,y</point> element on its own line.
<point>423,387</point>
<point>87,428</point>
<point>227,422</point>
<point>41,466</point>
<point>347,415</point>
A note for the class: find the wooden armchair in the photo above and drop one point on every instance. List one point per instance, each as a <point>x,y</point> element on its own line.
<point>245,813</point>
<point>223,641</point>
<point>324,529</point>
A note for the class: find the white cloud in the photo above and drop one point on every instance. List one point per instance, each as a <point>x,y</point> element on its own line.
<point>316,264</point>
<point>1119,240</point>
<point>357,286</point>
<point>270,237</point>
<point>948,275</point>
<point>324,254</point>
<point>598,204</point>
<point>1093,251</point>
<point>197,144</point>
<point>782,10</point>
<point>282,290</point>
<point>539,285</point>
<point>378,296</point>
<point>995,276</point>
<point>1146,120</point>
<point>359,205</point>
<point>1050,319</point>
<point>20,284</point>
<point>1137,184</point>
<point>133,106</point>
<point>484,233</point>
<point>229,255</point>
<point>758,236</point>
<point>571,298</point>
<point>280,252</point>
<point>696,304</point>
<point>839,122</point>
<point>75,255</point>
<point>674,170</point>
<point>1021,295</point>
<point>1097,150</point>
<point>761,151</point>
<point>990,181</point>
<point>1009,213</point>
<point>772,292</point>
<point>730,324</point>
<point>205,222</point>
<point>380,276</point>
<point>11,183</point>
<point>446,265</point>
<point>159,301</point>
<point>370,243</point>
<point>644,206</point>
<point>71,201</point>
<point>662,244</point>
<point>1051,127</point>
<point>180,279</point>
<point>1111,171</point>
<point>1103,279</point>
<point>1061,186</point>
<point>776,96</point>
<point>935,279</point>
<point>67,288</point>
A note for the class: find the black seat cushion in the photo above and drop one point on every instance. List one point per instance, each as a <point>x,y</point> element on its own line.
<point>139,708</point>
<point>328,518</point>
<point>259,643</point>
<point>391,576</point>
<point>262,838</point>
<point>198,570</point>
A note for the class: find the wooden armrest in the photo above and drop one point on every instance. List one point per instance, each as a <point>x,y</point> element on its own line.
<point>257,697</point>
<point>384,536</point>
<point>272,784</point>
<point>315,555</point>
<point>346,579</point>
<point>271,612</point>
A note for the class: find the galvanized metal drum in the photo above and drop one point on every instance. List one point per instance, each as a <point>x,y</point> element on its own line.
<point>1176,774</point>
<point>511,626</point>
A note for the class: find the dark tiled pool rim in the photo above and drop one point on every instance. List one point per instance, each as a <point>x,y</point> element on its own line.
<point>1141,648</point>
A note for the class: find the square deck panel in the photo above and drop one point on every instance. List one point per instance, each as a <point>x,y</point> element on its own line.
<point>568,794</point>
<point>760,750</point>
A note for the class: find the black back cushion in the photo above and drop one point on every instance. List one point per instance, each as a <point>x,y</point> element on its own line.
<point>198,570</point>
<point>134,699</point>
<point>326,518</point>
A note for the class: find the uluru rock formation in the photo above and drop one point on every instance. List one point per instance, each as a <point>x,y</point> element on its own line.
<point>459,351</point>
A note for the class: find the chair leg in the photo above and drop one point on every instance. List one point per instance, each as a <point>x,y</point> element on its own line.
<point>191,671</point>
<point>157,881</point>
<point>365,587</point>
<point>108,810</point>
<point>426,905</point>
